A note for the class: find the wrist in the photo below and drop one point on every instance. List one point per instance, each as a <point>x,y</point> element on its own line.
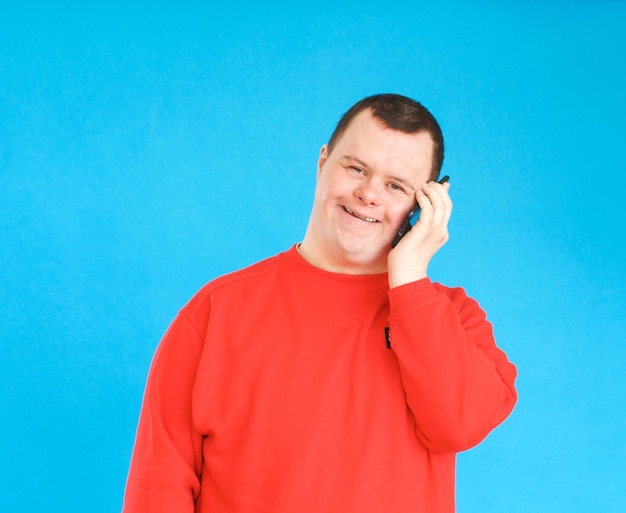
<point>402,276</point>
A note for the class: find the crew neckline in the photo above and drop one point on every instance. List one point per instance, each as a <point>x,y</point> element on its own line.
<point>321,278</point>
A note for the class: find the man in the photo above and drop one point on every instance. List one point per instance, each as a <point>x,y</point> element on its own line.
<point>333,377</point>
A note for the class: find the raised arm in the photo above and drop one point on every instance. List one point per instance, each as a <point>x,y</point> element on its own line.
<point>458,384</point>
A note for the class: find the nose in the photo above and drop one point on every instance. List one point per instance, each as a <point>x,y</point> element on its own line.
<point>368,193</point>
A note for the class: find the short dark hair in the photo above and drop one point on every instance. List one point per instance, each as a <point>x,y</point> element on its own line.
<point>400,113</point>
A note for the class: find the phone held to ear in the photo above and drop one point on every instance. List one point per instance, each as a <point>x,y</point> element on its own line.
<point>411,218</point>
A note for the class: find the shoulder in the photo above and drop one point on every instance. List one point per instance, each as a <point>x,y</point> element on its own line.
<point>233,283</point>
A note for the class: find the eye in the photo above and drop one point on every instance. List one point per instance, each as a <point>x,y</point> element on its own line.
<point>357,170</point>
<point>396,187</point>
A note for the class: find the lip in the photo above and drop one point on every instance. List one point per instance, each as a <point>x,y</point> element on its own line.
<point>370,220</point>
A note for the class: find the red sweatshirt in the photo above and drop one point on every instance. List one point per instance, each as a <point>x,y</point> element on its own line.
<point>276,390</point>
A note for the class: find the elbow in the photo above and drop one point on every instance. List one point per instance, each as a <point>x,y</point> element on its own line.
<point>454,433</point>
<point>449,441</point>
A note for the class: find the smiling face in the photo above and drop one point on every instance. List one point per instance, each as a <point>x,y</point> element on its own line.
<point>365,187</point>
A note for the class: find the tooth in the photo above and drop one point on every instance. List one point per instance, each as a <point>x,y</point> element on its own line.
<point>368,219</point>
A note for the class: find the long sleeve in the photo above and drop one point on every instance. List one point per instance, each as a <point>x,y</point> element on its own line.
<point>458,384</point>
<point>274,388</point>
<point>166,461</point>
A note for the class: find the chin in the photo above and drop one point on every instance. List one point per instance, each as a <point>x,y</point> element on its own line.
<point>367,257</point>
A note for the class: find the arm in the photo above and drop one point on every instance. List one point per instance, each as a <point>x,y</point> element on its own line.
<point>459,385</point>
<point>409,260</point>
<point>167,456</point>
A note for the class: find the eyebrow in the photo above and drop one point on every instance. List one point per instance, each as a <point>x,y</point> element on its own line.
<point>393,177</point>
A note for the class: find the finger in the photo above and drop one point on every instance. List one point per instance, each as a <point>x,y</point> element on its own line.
<point>442,192</point>
<point>439,199</point>
<point>437,188</point>
<point>441,207</point>
<point>429,220</point>
<point>425,204</point>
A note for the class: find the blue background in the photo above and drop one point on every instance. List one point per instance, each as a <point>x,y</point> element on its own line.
<point>147,148</point>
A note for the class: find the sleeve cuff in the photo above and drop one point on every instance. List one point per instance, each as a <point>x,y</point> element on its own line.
<point>412,295</point>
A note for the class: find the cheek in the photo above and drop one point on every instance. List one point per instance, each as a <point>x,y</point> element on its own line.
<point>325,198</point>
<point>331,188</point>
<point>323,194</point>
<point>397,215</point>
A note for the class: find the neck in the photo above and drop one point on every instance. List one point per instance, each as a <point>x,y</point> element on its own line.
<point>318,257</point>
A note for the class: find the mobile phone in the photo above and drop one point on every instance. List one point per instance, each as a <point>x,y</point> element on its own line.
<point>410,219</point>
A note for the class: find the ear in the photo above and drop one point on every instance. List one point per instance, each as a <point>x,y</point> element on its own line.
<point>322,159</point>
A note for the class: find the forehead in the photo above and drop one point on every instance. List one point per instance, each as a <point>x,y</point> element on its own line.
<point>370,140</point>
<point>366,125</point>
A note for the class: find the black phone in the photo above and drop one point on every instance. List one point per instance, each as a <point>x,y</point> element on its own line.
<point>410,219</point>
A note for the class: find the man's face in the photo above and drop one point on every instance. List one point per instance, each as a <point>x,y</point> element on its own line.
<point>365,187</point>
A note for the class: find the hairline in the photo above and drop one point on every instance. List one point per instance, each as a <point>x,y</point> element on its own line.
<point>434,174</point>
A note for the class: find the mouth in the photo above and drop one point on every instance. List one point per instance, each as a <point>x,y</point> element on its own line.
<point>367,219</point>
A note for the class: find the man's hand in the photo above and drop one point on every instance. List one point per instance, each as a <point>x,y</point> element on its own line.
<point>409,260</point>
